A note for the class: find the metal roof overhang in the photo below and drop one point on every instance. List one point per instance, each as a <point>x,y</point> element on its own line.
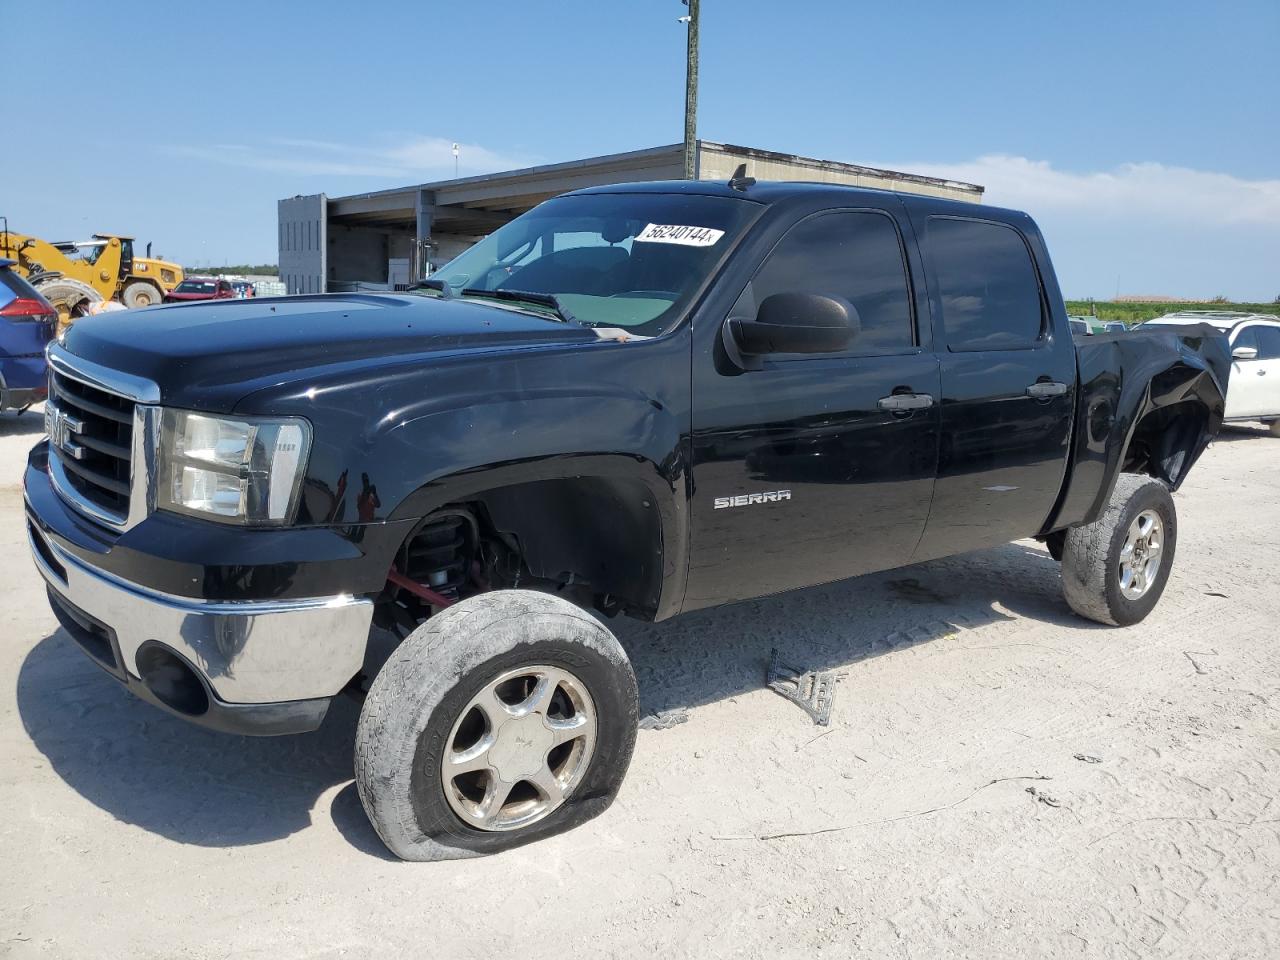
<point>481,204</point>
<point>486,202</point>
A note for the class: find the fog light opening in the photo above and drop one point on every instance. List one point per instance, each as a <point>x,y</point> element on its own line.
<point>172,680</point>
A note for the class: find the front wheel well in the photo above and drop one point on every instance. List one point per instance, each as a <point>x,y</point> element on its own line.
<point>595,540</point>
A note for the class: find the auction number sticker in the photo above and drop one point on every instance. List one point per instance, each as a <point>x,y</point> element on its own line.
<point>684,236</point>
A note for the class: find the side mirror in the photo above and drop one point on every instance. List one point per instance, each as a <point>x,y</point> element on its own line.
<point>796,323</point>
<point>1244,353</point>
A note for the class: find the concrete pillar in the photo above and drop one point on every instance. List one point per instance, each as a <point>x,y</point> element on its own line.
<point>424,207</point>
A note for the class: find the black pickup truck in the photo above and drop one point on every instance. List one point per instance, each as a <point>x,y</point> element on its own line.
<point>641,399</point>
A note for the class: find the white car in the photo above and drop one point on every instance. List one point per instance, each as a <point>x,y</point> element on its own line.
<point>1254,390</point>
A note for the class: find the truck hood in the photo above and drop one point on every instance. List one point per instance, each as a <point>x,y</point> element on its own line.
<point>206,356</point>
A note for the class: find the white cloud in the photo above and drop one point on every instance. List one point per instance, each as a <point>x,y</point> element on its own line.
<point>1140,228</point>
<point>1150,190</point>
<point>417,157</point>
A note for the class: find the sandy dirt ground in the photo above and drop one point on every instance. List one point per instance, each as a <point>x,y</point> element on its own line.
<point>948,810</point>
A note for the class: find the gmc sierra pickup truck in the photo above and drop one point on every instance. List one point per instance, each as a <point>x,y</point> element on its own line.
<point>641,399</point>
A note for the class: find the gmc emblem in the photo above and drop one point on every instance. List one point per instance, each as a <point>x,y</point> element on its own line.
<point>61,426</point>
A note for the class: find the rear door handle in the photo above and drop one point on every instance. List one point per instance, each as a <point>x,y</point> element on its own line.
<point>904,402</point>
<point>1043,389</point>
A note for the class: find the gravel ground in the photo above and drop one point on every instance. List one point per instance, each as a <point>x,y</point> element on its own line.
<point>1000,779</point>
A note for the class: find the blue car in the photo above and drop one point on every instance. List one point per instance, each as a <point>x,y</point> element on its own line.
<point>27,322</point>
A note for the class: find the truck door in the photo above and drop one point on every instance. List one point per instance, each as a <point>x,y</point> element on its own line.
<point>1254,387</point>
<point>1008,379</point>
<point>815,467</point>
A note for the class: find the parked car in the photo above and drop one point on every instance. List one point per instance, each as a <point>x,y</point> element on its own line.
<point>1255,354</point>
<point>644,399</point>
<point>27,322</point>
<point>201,288</point>
<point>1114,326</point>
<point>243,288</point>
<point>1079,327</point>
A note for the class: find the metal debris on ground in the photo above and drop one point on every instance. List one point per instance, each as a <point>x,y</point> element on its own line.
<point>1044,798</point>
<point>664,720</point>
<point>1196,663</point>
<point>810,690</point>
<point>1087,758</point>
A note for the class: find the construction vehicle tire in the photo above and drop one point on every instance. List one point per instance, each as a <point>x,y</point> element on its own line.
<point>140,294</point>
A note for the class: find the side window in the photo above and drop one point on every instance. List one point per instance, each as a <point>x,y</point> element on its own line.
<point>1248,337</point>
<point>856,255</point>
<point>988,285</point>
<point>1268,342</point>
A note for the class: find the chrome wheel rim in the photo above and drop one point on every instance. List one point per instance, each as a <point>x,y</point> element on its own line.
<point>519,749</point>
<point>1141,555</point>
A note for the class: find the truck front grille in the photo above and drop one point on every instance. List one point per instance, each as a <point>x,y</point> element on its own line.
<point>91,433</point>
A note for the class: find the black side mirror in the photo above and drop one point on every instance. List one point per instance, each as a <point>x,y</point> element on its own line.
<point>796,323</point>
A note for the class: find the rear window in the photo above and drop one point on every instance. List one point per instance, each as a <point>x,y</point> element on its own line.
<point>988,285</point>
<point>13,286</point>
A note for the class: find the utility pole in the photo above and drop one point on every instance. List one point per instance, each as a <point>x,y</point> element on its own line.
<point>691,94</point>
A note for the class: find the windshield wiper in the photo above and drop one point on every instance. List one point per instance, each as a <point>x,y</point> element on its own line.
<point>446,291</point>
<point>528,296</point>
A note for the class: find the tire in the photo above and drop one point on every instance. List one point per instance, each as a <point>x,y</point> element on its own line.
<point>432,695</point>
<point>1274,427</point>
<point>1094,556</point>
<point>70,297</point>
<point>140,294</point>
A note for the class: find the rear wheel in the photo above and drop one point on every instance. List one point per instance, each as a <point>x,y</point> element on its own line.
<point>1115,569</point>
<point>140,294</point>
<point>508,717</point>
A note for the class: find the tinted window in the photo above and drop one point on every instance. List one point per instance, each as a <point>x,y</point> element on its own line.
<point>987,282</point>
<point>856,256</point>
<point>1248,337</point>
<point>1265,339</point>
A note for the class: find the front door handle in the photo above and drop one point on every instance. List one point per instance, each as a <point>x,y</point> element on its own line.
<point>1044,389</point>
<point>905,402</point>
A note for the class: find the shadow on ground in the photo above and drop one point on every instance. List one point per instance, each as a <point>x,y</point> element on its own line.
<point>28,424</point>
<point>195,786</point>
<point>1234,432</point>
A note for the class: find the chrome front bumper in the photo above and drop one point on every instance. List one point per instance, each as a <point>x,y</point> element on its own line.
<point>245,652</point>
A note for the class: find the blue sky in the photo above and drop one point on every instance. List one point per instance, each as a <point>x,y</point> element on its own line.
<point>1143,136</point>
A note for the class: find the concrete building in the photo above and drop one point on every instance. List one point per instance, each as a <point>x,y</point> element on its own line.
<point>382,240</point>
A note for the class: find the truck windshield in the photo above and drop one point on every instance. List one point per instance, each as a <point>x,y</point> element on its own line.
<point>612,260</point>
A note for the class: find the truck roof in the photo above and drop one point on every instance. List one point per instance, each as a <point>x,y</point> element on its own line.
<point>777,191</point>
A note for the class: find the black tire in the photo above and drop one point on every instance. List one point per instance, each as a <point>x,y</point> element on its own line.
<point>1092,554</point>
<point>140,294</point>
<point>425,688</point>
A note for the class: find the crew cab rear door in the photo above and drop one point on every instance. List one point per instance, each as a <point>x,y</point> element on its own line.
<point>1008,367</point>
<point>816,467</point>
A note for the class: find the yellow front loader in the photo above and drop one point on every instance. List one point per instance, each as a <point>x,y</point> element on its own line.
<point>74,275</point>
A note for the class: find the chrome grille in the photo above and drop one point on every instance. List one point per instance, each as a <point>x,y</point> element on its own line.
<point>91,435</point>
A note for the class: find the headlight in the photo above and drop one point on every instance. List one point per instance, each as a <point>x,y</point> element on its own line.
<point>237,470</point>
